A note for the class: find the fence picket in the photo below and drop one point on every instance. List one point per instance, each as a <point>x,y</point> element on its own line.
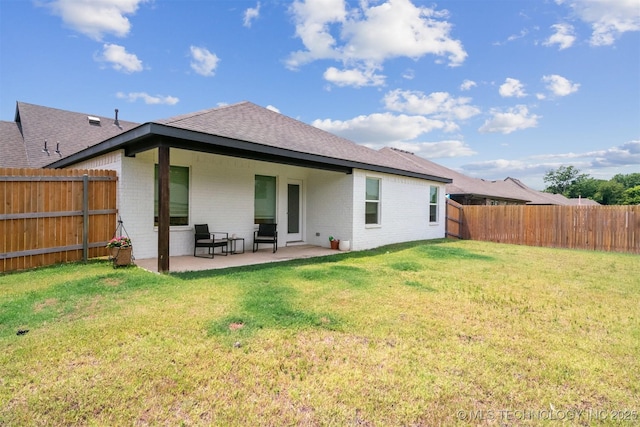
<point>603,228</point>
<point>41,210</point>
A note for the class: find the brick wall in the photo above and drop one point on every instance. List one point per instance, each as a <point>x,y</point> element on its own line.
<point>404,211</point>
<point>221,195</point>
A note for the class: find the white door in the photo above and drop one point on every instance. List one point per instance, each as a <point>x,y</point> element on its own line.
<point>294,211</point>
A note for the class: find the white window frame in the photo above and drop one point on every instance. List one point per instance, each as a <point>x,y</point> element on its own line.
<point>377,202</point>
<point>274,180</point>
<point>172,194</point>
<point>435,204</point>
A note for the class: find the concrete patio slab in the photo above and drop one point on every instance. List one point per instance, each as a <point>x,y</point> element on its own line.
<point>262,256</point>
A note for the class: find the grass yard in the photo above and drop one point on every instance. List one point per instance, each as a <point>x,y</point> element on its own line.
<point>430,333</point>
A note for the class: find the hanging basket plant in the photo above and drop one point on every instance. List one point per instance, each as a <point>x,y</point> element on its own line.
<point>119,242</point>
<point>121,250</point>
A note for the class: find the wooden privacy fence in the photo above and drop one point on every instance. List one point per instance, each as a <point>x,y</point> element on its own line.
<point>602,228</point>
<point>453,227</point>
<point>49,216</point>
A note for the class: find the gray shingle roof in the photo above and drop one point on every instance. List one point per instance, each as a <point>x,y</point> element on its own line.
<point>246,121</point>
<point>12,149</point>
<point>536,197</point>
<point>71,130</point>
<point>248,124</point>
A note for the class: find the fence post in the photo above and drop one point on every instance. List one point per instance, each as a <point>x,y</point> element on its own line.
<point>85,217</point>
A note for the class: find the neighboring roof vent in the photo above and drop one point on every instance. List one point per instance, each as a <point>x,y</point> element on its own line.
<point>94,120</point>
<point>116,122</point>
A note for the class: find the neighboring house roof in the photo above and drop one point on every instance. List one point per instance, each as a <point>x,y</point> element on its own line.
<point>462,184</point>
<point>12,146</point>
<point>69,131</point>
<point>510,189</point>
<point>536,197</point>
<point>249,131</point>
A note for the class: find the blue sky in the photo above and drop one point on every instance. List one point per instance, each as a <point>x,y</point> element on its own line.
<point>490,88</point>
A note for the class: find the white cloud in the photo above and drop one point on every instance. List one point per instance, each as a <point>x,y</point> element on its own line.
<point>503,168</point>
<point>609,19</point>
<point>559,85</point>
<point>203,62</point>
<point>250,15</point>
<point>148,99</point>
<point>120,59</point>
<point>96,18</point>
<point>467,85</point>
<point>627,154</point>
<point>434,150</point>
<point>523,33</point>
<point>601,162</point>
<point>381,128</point>
<point>563,37</point>
<point>313,20</point>
<point>440,105</point>
<point>517,118</point>
<point>364,37</point>
<point>353,77</point>
<point>409,74</point>
<point>512,87</point>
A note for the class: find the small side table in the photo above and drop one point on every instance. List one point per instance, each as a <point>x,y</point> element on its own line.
<point>233,245</point>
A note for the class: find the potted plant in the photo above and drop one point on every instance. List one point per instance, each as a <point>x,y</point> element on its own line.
<point>334,242</point>
<point>121,249</point>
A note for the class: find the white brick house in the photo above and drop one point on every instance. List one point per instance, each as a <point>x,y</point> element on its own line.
<point>221,160</point>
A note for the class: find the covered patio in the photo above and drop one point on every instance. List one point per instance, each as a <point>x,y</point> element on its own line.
<point>262,256</point>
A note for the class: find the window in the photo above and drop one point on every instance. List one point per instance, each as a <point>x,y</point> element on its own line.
<point>178,195</point>
<point>265,200</point>
<point>372,202</point>
<point>433,204</point>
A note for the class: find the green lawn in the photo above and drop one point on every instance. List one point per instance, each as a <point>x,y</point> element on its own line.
<point>430,333</point>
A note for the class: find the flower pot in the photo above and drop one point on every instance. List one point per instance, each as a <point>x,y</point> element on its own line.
<point>344,245</point>
<point>335,244</point>
<point>123,256</point>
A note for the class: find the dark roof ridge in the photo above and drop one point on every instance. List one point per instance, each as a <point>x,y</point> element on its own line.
<point>401,151</point>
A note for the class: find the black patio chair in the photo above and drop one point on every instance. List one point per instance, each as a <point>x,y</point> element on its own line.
<point>211,240</point>
<point>266,233</point>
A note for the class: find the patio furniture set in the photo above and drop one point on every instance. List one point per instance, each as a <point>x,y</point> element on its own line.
<point>204,238</point>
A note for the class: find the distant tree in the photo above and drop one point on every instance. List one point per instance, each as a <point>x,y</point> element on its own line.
<point>561,180</point>
<point>610,193</point>
<point>629,180</point>
<point>631,196</point>
<point>585,188</point>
